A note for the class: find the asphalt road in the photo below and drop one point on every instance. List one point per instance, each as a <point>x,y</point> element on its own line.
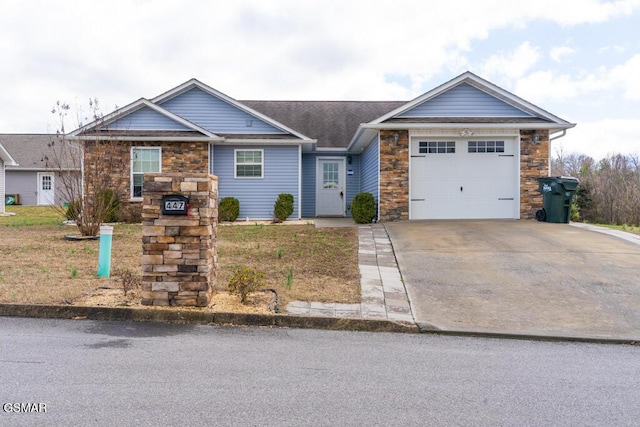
<point>118,373</point>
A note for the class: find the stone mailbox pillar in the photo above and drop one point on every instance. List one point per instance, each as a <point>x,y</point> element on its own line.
<point>179,256</point>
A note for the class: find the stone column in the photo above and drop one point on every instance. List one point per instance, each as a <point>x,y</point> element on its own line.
<point>534,164</point>
<point>179,255</point>
<point>394,175</point>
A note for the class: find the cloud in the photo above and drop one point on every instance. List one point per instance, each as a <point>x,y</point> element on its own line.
<point>599,139</point>
<point>513,64</point>
<point>269,49</point>
<point>559,52</point>
<point>554,86</point>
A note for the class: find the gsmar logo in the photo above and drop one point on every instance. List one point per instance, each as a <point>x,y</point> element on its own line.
<point>25,407</point>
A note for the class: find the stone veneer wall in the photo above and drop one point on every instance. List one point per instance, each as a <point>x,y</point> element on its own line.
<point>534,163</point>
<point>394,176</point>
<point>179,260</point>
<point>176,157</point>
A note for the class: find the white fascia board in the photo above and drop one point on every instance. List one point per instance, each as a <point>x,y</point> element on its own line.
<point>332,149</point>
<point>6,157</point>
<point>480,84</point>
<point>268,141</point>
<point>134,106</point>
<point>363,135</point>
<point>18,168</point>
<point>523,125</point>
<point>196,83</point>
<point>146,138</point>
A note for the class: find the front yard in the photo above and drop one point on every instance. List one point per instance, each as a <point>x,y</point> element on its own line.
<point>300,261</point>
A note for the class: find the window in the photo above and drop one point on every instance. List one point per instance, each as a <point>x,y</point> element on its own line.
<point>485,146</point>
<point>249,163</point>
<point>46,183</point>
<point>143,160</point>
<point>330,175</point>
<point>437,147</point>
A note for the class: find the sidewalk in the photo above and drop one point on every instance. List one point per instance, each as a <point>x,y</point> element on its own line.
<point>384,296</point>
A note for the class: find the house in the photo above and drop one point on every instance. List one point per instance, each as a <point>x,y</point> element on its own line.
<point>5,160</point>
<point>466,149</point>
<point>35,179</point>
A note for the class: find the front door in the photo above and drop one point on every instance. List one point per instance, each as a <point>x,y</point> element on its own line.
<point>46,189</point>
<point>330,197</point>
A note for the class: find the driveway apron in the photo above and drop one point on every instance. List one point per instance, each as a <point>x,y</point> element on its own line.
<point>519,277</point>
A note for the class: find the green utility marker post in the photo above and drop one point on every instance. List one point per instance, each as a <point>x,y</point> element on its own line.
<point>104,254</point>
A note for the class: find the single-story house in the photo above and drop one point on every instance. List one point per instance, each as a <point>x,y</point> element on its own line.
<point>466,149</point>
<point>5,160</point>
<point>35,178</point>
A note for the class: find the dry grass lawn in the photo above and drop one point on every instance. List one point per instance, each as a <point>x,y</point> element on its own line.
<point>301,262</point>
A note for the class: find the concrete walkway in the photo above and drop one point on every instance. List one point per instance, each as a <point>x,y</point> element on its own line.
<point>384,296</point>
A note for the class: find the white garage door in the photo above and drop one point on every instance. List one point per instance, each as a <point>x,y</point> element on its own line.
<point>463,178</point>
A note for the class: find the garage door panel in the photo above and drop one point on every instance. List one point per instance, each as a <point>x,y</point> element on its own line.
<point>464,185</point>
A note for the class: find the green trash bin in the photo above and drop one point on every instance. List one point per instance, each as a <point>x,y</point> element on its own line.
<point>558,194</point>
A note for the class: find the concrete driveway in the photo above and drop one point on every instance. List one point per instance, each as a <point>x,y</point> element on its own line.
<point>519,277</point>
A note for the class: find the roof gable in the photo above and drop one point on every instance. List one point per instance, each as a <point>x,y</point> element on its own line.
<point>141,115</point>
<point>220,113</point>
<point>146,118</point>
<point>464,100</point>
<point>468,93</point>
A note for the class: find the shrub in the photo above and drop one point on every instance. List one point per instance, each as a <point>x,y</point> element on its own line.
<point>244,281</point>
<point>111,201</point>
<point>228,209</point>
<point>73,208</point>
<point>363,208</point>
<point>283,208</point>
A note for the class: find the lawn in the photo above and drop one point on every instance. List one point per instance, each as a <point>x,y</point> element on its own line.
<point>37,265</point>
<point>628,228</point>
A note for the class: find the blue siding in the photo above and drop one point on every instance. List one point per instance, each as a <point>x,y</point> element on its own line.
<point>146,119</point>
<point>309,185</point>
<point>216,115</point>
<point>464,100</point>
<point>353,181</point>
<point>257,196</point>
<point>309,162</point>
<point>370,160</point>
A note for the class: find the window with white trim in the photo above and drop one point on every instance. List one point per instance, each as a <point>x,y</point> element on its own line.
<point>249,163</point>
<point>143,160</point>
<point>485,146</point>
<point>437,147</point>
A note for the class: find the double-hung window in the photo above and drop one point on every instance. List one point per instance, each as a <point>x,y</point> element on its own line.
<point>249,163</point>
<point>143,160</point>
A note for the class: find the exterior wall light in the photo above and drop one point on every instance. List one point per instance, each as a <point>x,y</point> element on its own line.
<point>536,139</point>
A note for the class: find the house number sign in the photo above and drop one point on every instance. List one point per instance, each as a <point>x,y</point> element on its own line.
<point>175,205</point>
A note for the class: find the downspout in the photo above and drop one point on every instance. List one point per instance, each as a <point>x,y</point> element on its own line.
<point>564,132</point>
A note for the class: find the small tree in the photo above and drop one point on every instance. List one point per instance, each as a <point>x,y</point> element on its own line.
<point>92,194</point>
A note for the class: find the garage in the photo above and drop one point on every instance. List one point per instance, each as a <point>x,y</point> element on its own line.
<point>474,177</point>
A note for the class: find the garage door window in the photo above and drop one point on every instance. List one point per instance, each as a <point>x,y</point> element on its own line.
<point>486,146</point>
<point>437,147</point>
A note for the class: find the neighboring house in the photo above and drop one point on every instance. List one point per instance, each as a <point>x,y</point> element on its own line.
<point>5,160</point>
<point>466,149</point>
<point>35,179</point>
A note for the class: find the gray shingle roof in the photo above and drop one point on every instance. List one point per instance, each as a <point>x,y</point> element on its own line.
<point>28,150</point>
<point>332,123</point>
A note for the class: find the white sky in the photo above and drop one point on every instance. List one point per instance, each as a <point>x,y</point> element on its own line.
<point>578,59</point>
